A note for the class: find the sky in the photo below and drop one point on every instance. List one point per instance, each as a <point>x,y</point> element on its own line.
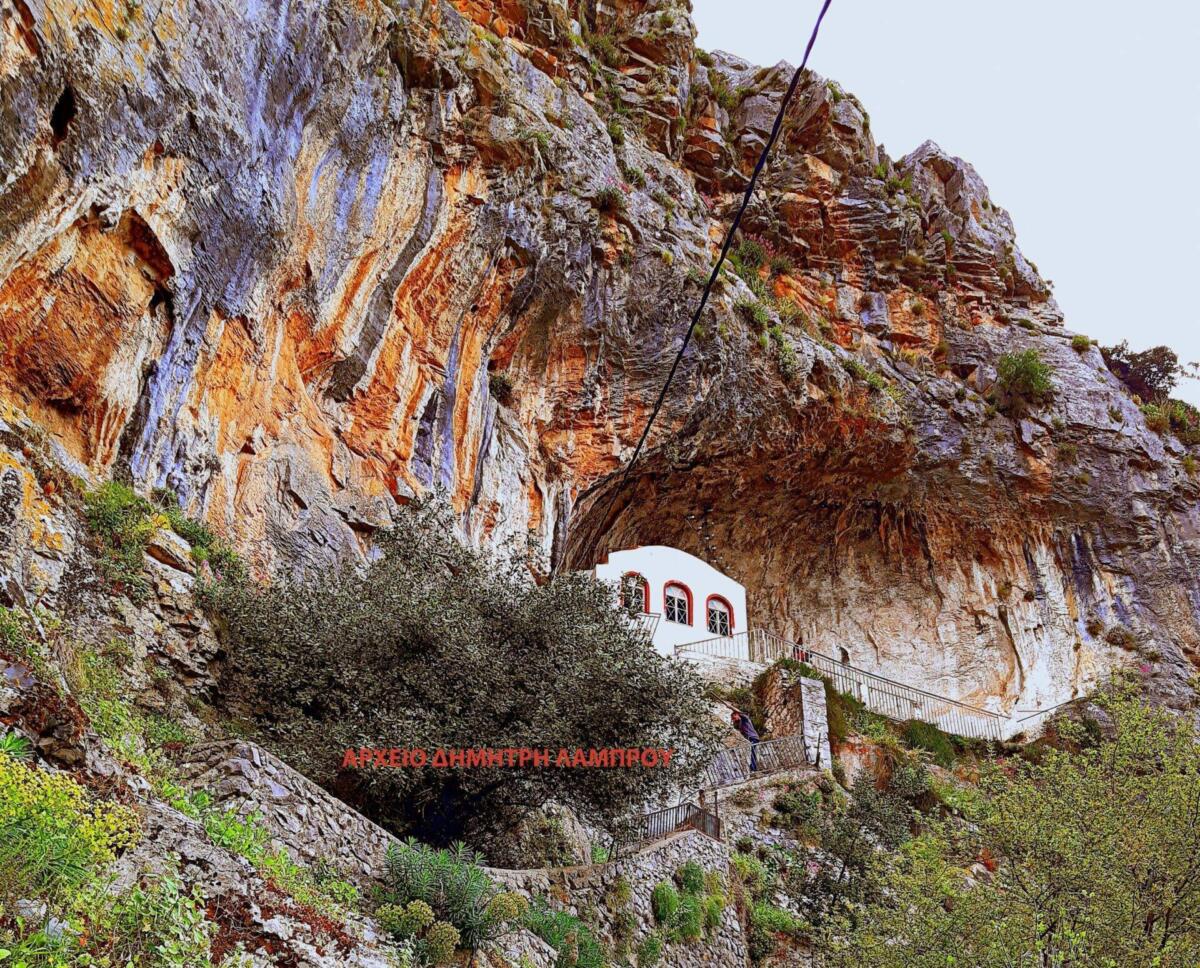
<point>1082,116</point>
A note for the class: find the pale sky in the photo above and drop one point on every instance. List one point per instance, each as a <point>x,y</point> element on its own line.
<point>1082,116</point>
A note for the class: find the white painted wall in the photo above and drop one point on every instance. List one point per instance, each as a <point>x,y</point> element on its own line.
<point>661,566</point>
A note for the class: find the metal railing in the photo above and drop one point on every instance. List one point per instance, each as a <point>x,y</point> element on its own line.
<point>648,623</point>
<point>732,764</point>
<point>669,820</point>
<point>886,697</point>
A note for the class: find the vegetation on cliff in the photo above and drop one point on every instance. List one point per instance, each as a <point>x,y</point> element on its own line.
<point>1080,852</point>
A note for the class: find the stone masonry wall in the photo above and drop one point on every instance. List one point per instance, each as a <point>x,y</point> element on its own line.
<point>314,825</point>
<point>583,891</point>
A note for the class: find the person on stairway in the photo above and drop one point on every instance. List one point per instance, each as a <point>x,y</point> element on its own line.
<point>741,722</point>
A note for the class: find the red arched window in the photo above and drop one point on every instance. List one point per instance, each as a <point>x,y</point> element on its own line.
<point>720,615</point>
<point>677,603</point>
<point>635,592</point>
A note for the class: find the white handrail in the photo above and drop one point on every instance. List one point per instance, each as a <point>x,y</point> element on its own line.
<point>885,697</point>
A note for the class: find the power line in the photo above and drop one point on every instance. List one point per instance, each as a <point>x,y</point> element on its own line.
<point>733,227</point>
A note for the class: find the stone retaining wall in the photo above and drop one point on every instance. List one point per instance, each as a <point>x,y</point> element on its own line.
<point>314,825</point>
<point>584,891</point>
<point>309,822</point>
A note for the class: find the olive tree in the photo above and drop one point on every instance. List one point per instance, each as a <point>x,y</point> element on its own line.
<point>434,645</point>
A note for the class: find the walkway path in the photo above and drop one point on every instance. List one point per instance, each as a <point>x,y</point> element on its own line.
<point>886,697</point>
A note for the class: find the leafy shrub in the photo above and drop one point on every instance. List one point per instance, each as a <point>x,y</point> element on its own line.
<point>767,923</point>
<point>1150,375</point>
<point>650,950</point>
<point>123,524</point>
<point>925,736</point>
<point>620,892</point>
<point>15,746</point>
<point>751,872</point>
<point>1185,421</point>
<point>1057,837</point>
<point>440,941</point>
<point>454,886</point>
<point>782,265</point>
<point>857,370</point>
<point>500,386</point>
<point>776,920</point>
<point>158,925</point>
<point>1157,418</point>
<point>725,96</point>
<point>691,877</point>
<point>1024,378</point>
<point>577,947</point>
<point>206,544</point>
<point>616,132</point>
<point>750,255</point>
<point>664,902</point>
<point>635,176</point>
<point>1189,465</point>
<point>1080,343</point>
<point>605,47</point>
<point>714,907</point>
<point>688,923</point>
<point>53,836</point>
<point>369,652</point>
<point>754,312</point>
<point>610,199</point>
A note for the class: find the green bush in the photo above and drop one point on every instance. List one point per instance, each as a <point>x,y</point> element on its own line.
<point>156,925</point>
<point>691,877</point>
<point>750,255</point>
<point>54,837</point>
<point>616,132</point>
<point>577,947</point>
<point>1024,378</point>
<point>1080,343</point>
<point>714,907</point>
<point>610,199</point>
<point>621,892</point>
<point>454,886</point>
<point>688,923</point>
<point>206,544</point>
<point>440,942</point>
<point>1185,421</point>
<point>664,902</point>
<point>767,923</point>
<point>650,950</point>
<point>754,312</point>
<point>751,872</point>
<point>1068,880</point>
<point>500,386</point>
<point>123,524</point>
<point>1157,418</point>
<point>919,735</point>
<point>369,652</point>
<point>605,47</point>
<point>15,746</point>
<point>860,372</point>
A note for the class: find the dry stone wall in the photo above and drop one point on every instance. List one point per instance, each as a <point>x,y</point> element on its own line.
<point>585,891</point>
<point>314,825</point>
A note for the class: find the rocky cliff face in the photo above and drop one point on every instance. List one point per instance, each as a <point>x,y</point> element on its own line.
<point>289,261</point>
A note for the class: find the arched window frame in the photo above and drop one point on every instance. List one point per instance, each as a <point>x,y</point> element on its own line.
<point>728,606</point>
<point>691,616</point>
<point>645,588</point>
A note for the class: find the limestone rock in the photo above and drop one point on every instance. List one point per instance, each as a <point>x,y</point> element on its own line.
<point>271,257</point>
